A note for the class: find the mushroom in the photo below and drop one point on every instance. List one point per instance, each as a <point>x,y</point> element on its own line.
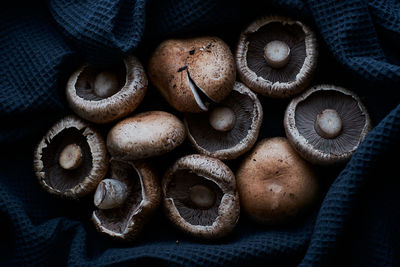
<point>276,56</point>
<point>275,183</point>
<point>145,135</point>
<point>326,124</point>
<point>200,196</point>
<point>230,128</point>
<point>126,201</point>
<point>105,95</point>
<point>71,159</point>
<point>192,73</point>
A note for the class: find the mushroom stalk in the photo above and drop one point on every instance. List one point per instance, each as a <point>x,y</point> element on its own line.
<point>222,119</point>
<point>328,124</point>
<point>277,54</point>
<point>202,196</point>
<point>106,84</point>
<point>110,194</point>
<point>70,157</point>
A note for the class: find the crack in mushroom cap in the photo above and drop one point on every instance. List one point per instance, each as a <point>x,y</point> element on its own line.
<point>82,180</point>
<point>300,116</point>
<point>282,82</point>
<point>192,170</point>
<point>126,222</point>
<point>84,102</point>
<point>228,144</point>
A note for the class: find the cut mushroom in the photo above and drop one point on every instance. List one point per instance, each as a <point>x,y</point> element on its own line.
<point>103,96</point>
<point>145,135</point>
<point>126,201</point>
<point>200,196</point>
<point>193,73</point>
<point>71,159</point>
<point>326,124</point>
<point>276,56</point>
<point>230,129</point>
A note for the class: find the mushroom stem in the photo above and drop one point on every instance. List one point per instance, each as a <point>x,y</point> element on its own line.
<point>70,157</point>
<point>106,84</point>
<point>202,196</point>
<point>328,124</point>
<point>277,54</point>
<point>222,119</point>
<point>110,193</point>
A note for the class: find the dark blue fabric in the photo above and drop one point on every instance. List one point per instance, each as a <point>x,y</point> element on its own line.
<point>354,223</point>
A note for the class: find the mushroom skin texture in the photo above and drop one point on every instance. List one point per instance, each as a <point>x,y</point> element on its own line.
<point>275,184</point>
<point>191,73</point>
<point>326,124</point>
<point>276,56</point>
<point>71,159</point>
<point>103,96</point>
<point>125,221</point>
<point>198,198</point>
<point>145,135</point>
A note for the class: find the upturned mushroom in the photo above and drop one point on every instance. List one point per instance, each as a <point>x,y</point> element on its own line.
<point>276,56</point>
<point>230,128</point>
<point>144,135</point>
<point>200,196</point>
<point>192,73</point>
<point>71,159</point>
<point>105,95</point>
<point>275,184</point>
<point>326,124</point>
<point>126,201</point>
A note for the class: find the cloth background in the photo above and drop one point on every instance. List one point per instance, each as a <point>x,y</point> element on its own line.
<point>356,219</point>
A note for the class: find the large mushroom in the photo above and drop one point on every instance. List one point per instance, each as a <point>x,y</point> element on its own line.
<point>276,56</point>
<point>200,196</point>
<point>105,95</point>
<point>126,201</point>
<point>230,128</point>
<point>192,73</point>
<point>71,159</point>
<point>326,124</point>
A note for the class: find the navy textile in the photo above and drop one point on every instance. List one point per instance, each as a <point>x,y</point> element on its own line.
<point>357,219</point>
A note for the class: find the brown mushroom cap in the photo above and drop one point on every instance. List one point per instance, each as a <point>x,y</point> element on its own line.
<point>200,196</point>
<point>275,183</point>
<point>126,221</point>
<point>103,96</point>
<point>79,174</point>
<point>191,73</point>
<point>276,56</point>
<point>240,138</point>
<point>145,135</point>
<point>326,124</point>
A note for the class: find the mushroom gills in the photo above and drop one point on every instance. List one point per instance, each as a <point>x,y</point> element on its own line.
<point>202,99</point>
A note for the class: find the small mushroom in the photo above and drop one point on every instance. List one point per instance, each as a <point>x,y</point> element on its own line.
<point>230,128</point>
<point>192,73</point>
<point>105,95</point>
<point>145,135</point>
<point>326,124</point>
<point>200,196</point>
<point>127,200</point>
<point>275,183</point>
<point>276,56</point>
<point>71,159</point>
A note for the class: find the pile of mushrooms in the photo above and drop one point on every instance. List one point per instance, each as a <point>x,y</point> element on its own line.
<point>220,116</point>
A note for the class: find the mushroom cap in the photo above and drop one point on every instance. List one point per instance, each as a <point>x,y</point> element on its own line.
<point>231,144</point>
<point>77,182</point>
<point>275,183</point>
<point>87,104</point>
<point>193,170</point>
<point>145,135</point>
<point>302,112</point>
<point>127,221</point>
<point>192,72</point>
<point>287,80</point>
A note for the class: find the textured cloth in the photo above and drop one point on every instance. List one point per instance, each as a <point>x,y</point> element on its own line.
<point>354,223</point>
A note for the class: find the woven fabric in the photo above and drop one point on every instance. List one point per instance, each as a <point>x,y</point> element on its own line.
<point>354,223</point>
